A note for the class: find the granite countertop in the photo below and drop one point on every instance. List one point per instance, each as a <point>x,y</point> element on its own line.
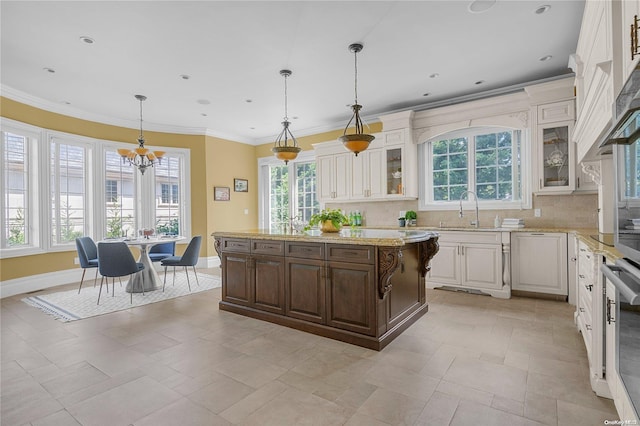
<point>357,236</point>
<point>388,236</point>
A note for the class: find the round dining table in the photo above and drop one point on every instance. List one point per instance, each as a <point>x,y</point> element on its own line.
<point>148,278</point>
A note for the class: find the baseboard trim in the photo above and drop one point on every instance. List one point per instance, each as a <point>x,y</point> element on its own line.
<point>51,279</point>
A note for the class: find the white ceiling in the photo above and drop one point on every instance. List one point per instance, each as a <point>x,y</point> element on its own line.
<point>233,52</point>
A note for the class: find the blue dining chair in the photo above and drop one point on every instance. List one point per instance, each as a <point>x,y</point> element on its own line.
<point>162,251</point>
<point>88,257</point>
<point>116,260</point>
<point>189,258</point>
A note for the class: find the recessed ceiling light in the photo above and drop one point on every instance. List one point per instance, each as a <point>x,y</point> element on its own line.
<point>545,58</point>
<point>65,102</point>
<point>50,70</point>
<point>434,75</point>
<point>480,6</point>
<point>204,101</point>
<point>248,101</point>
<point>479,82</point>
<point>295,117</point>
<point>203,114</point>
<point>252,128</point>
<point>542,9</point>
<point>87,39</point>
<point>185,76</point>
<point>426,94</point>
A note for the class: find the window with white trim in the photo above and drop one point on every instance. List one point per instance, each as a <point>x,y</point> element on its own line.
<point>287,192</point>
<point>86,189</point>
<point>168,175</point>
<point>19,183</point>
<point>120,208</point>
<point>67,190</point>
<point>489,161</point>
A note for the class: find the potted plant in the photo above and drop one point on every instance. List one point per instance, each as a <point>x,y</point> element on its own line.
<point>411,217</point>
<point>401,222</point>
<point>330,220</point>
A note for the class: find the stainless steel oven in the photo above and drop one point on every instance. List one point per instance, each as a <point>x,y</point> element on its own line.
<point>625,275</point>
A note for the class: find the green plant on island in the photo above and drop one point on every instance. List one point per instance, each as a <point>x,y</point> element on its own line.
<point>410,215</point>
<point>336,217</point>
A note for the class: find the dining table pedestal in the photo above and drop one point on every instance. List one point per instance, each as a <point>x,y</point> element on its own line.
<point>147,279</point>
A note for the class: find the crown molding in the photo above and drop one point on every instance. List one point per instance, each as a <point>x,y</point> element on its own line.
<point>70,111</point>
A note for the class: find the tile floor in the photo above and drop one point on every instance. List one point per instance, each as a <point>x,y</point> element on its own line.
<point>471,360</point>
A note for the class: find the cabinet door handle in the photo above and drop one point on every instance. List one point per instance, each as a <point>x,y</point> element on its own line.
<point>589,286</point>
<point>581,276</point>
<point>581,309</point>
<point>577,182</point>
<point>588,327</point>
<point>610,319</point>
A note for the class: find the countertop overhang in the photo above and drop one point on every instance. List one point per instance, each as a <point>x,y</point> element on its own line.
<point>357,236</point>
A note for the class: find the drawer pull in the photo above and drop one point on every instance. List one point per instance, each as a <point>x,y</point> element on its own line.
<point>581,309</point>
<point>588,327</point>
<point>610,318</point>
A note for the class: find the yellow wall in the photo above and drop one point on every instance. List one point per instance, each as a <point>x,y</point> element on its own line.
<point>213,162</point>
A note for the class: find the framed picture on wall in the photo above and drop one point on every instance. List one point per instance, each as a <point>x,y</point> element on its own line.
<point>240,185</point>
<point>221,193</point>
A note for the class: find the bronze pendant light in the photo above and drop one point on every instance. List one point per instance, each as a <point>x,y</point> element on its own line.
<point>358,141</point>
<point>282,149</point>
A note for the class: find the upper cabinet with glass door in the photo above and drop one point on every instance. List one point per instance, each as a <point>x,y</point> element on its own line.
<point>400,165</point>
<point>555,152</point>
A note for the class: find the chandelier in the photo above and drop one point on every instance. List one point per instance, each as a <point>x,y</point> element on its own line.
<point>282,149</point>
<point>359,141</point>
<point>140,157</point>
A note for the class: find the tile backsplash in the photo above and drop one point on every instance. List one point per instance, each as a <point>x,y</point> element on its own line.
<point>556,211</point>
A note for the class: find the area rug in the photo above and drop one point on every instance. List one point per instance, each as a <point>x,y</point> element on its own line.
<point>70,306</point>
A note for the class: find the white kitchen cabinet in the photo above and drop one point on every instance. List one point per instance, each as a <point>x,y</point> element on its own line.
<point>470,260</point>
<point>594,83</point>
<point>555,158</point>
<point>539,262</point>
<point>589,315</point>
<point>333,177</point>
<point>611,348</point>
<point>387,170</point>
<point>367,181</point>
<point>624,22</point>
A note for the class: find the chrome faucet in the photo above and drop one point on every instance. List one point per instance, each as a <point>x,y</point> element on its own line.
<point>475,223</point>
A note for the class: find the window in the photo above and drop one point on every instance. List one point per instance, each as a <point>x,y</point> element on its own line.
<point>487,161</point>
<point>168,174</point>
<point>111,191</point>
<point>17,213</point>
<point>67,189</point>
<point>120,208</point>
<point>287,192</point>
<point>59,186</point>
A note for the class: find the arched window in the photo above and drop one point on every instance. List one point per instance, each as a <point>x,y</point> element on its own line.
<point>492,162</point>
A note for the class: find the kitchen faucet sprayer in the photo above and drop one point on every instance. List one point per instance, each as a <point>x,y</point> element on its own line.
<point>476,223</point>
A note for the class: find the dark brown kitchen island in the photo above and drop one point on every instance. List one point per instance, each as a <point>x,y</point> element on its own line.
<point>361,286</point>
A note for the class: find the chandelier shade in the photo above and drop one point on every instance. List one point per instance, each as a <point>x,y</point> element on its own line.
<point>141,157</point>
<point>286,146</point>
<point>358,141</point>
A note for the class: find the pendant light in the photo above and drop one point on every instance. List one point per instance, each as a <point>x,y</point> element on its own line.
<point>282,149</point>
<point>359,141</point>
<point>141,157</point>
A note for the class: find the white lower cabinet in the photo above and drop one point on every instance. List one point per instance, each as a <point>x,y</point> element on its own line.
<point>470,260</point>
<point>589,315</point>
<point>539,262</point>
